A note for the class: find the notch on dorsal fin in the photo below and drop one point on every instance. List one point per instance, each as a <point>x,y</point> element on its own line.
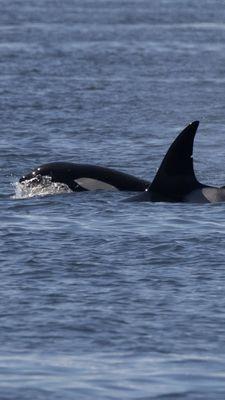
<point>176,176</point>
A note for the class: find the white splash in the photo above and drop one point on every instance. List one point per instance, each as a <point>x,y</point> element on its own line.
<point>46,187</point>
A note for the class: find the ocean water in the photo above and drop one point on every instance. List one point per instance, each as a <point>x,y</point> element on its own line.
<point>99,298</point>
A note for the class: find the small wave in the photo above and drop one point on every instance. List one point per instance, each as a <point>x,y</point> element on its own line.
<point>46,187</point>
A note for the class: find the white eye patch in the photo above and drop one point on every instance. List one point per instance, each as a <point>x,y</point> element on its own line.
<point>94,184</point>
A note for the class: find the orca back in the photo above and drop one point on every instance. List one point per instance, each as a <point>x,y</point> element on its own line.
<point>175,177</point>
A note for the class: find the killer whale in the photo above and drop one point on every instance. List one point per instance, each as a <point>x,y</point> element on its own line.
<point>175,180</point>
<point>81,177</point>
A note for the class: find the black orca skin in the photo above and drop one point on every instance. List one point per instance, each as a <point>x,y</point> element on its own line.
<point>79,177</point>
<point>175,180</point>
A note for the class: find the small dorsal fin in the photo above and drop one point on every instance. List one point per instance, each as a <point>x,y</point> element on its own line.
<point>176,176</point>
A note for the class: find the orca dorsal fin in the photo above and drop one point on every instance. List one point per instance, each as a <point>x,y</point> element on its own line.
<point>175,176</point>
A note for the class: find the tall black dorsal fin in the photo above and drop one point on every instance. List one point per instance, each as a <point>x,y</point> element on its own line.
<point>176,176</point>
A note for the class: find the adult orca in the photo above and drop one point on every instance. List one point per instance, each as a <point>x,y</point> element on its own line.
<point>79,177</point>
<point>175,180</point>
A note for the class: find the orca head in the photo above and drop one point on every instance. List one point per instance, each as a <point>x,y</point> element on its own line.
<point>33,178</point>
<point>57,172</point>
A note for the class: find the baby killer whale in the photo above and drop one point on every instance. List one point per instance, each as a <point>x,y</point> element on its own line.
<point>80,177</point>
<point>175,180</point>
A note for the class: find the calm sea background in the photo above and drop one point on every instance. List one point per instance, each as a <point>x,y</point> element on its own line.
<point>101,299</point>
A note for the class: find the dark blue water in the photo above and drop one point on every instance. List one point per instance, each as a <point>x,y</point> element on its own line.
<point>102,299</point>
